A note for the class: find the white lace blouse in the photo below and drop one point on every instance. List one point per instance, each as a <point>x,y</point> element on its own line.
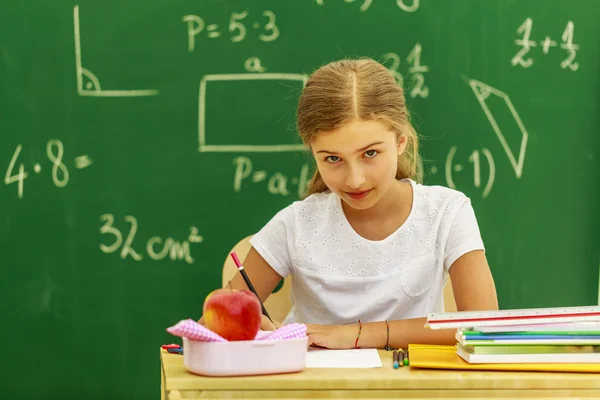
<point>338,276</point>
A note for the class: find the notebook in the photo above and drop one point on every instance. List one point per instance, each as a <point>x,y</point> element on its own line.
<point>446,357</point>
<point>467,319</point>
<point>516,358</point>
<point>587,327</point>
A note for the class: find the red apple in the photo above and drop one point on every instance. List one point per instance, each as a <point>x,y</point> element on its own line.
<point>235,315</point>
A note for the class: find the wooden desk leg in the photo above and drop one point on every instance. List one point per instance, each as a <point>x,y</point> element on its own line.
<point>163,389</point>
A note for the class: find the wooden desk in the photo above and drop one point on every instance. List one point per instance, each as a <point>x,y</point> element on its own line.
<point>385,382</point>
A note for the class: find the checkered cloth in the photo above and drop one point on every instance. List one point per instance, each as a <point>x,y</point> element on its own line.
<point>193,330</point>
<point>290,331</point>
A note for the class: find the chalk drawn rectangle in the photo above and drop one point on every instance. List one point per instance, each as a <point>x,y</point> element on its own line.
<point>270,79</point>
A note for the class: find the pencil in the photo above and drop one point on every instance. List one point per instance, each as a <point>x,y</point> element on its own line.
<point>240,267</point>
<point>395,358</point>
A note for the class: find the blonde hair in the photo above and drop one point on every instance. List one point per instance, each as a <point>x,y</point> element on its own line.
<point>350,90</point>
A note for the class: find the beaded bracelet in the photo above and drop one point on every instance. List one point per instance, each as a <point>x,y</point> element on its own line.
<point>357,336</point>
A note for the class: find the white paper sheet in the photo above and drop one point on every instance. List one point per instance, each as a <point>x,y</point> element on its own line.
<point>353,358</point>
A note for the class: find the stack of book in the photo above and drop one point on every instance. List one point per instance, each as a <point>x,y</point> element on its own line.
<point>545,335</point>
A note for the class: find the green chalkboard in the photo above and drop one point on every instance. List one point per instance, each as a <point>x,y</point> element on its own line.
<point>142,139</point>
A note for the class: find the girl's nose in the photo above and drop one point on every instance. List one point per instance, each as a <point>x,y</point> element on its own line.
<point>355,177</point>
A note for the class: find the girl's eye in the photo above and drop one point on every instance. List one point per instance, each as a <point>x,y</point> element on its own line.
<point>371,153</point>
<point>332,159</point>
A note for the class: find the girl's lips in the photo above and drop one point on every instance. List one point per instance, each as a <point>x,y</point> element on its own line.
<point>358,195</point>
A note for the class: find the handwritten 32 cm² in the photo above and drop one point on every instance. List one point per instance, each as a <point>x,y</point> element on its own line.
<point>157,248</point>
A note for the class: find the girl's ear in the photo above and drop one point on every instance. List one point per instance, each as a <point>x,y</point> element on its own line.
<point>402,142</point>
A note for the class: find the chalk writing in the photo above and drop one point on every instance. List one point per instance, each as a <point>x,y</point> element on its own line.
<point>92,85</point>
<point>276,182</point>
<point>451,167</point>
<point>157,247</point>
<point>416,70</point>
<point>474,158</point>
<point>570,47</point>
<point>253,64</point>
<point>491,98</point>
<point>492,101</point>
<point>59,172</point>
<point>525,43</point>
<point>405,5</point>
<point>265,25</point>
<point>522,57</point>
<point>215,79</point>
<point>393,61</point>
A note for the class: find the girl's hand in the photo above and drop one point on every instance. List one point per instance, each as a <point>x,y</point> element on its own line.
<point>332,336</point>
<point>266,325</point>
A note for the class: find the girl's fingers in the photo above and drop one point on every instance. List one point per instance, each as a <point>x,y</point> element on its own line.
<point>266,324</point>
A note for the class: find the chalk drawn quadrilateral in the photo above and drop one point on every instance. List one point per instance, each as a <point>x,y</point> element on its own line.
<point>92,86</point>
<point>483,92</point>
<point>274,77</point>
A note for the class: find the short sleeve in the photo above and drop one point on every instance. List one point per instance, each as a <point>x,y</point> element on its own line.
<point>464,235</point>
<point>273,241</point>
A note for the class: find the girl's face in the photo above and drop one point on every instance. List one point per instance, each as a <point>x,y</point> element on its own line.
<point>358,161</point>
